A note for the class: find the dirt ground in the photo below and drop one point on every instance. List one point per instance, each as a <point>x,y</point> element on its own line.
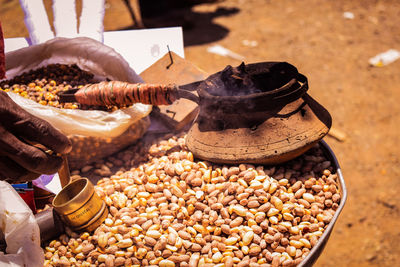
<point>333,52</point>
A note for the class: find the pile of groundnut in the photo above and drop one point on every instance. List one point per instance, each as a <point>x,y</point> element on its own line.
<point>173,210</point>
<point>42,85</point>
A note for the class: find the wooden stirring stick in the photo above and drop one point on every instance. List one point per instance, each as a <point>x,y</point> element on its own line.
<point>63,172</point>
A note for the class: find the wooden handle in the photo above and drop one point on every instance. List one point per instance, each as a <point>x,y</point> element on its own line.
<point>123,93</point>
<point>63,172</point>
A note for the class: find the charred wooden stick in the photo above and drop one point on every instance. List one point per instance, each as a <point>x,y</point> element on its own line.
<point>123,93</point>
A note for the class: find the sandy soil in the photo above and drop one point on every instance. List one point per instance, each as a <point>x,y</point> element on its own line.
<point>333,52</point>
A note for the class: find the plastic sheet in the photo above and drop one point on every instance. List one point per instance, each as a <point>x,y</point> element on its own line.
<point>21,232</point>
<point>94,123</point>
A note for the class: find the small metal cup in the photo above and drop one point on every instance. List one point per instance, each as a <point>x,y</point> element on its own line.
<point>79,206</point>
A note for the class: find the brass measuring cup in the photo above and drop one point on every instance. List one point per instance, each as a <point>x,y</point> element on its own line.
<point>77,203</point>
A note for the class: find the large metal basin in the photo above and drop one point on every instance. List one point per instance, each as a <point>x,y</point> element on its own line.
<point>319,247</point>
<point>51,226</point>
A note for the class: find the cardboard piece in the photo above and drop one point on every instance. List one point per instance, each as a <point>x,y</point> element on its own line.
<point>171,68</point>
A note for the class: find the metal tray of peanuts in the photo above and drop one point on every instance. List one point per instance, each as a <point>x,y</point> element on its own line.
<point>173,210</point>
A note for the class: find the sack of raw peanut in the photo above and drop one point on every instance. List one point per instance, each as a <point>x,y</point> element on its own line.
<point>37,73</point>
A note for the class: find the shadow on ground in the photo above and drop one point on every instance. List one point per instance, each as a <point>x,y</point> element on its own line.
<point>198,28</point>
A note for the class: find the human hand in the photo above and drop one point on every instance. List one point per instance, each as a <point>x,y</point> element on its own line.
<point>20,161</point>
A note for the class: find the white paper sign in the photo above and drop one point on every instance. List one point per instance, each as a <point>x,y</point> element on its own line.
<point>141,48</point>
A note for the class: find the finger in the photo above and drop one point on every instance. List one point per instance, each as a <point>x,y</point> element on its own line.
<point>29,157</point>
<point>31,127</point>
<point>14,173</point>
<point>37,130</point>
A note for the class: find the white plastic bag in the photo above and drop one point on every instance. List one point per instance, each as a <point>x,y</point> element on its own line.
<point>89,55</point>
<point>20,230</point>
<point>95,123</point>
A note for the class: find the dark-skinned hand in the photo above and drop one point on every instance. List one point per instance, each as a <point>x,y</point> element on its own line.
<point>20,161</point>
